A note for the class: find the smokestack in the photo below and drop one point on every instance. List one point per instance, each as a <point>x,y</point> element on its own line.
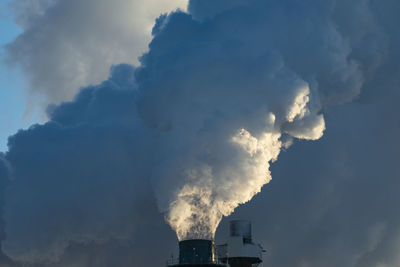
<point>241,228</point>
<point>196,252</point>
<point>240,251</point>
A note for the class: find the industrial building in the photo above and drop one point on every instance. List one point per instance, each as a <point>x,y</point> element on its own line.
<point>238,251</point>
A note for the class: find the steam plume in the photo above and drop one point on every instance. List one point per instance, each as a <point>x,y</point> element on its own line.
<point>223,101</point>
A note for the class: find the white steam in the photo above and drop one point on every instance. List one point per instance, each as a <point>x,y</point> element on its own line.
<point>214,189</point>
<point>222,110</point>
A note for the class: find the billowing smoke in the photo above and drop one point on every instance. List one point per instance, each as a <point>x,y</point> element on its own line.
<point>224,143</point>
<point>69,44</point>
<point>224,101</point>
<point>194,128</point>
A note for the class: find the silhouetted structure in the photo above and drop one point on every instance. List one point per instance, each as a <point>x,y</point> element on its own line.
<point>196,253</point>
<point>239,251</point>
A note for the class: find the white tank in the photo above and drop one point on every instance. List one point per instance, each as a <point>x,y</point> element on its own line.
<point>239,250</point>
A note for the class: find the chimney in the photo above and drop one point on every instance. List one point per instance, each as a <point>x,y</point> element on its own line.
<point>196,253</point>
<point>240,251</point>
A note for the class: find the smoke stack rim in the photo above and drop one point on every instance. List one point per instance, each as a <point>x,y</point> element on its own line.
<point>196,251</point>
<point>241,228</point>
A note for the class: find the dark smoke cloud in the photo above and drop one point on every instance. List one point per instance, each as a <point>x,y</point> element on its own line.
<point>5,176</point>
<point>90,160</point>
<point>83,184</point>
<point>337,205</point>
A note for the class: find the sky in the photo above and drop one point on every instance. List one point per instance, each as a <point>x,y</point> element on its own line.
<point>146,122</point>
<point>13,99</point>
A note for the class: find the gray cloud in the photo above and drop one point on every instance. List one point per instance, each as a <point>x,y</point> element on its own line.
<point>66,45</point>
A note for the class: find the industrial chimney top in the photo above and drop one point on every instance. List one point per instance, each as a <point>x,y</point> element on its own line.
<point>241,228</point>
<point>196,253</point>
<point>238,251</point>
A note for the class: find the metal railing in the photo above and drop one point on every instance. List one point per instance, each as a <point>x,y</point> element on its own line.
<point>175,261</point>
<point>172,261</point>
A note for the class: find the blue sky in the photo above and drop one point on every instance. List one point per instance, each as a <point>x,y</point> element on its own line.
<point>14,114</point>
